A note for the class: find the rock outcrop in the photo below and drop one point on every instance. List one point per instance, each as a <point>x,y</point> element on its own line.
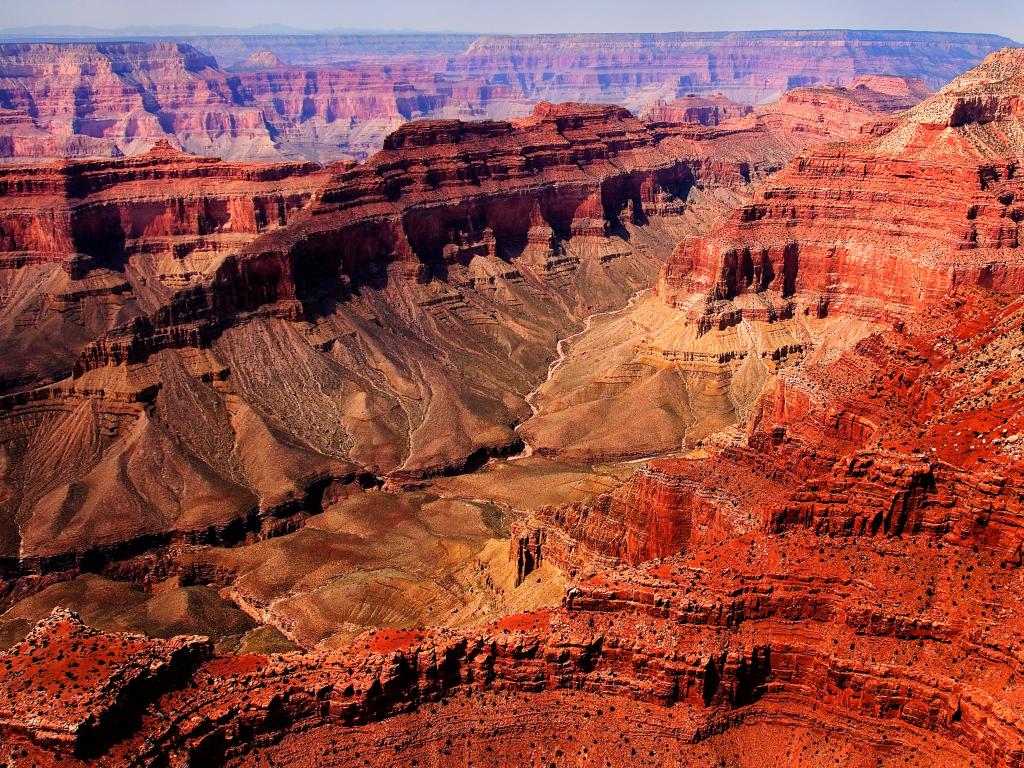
<point>944,172</point>
<point>706,110</point>
<point>821,114</point>
<point>756,635</point>
<point>809,114</point>
<point>92,685</point>
<point>103,241</point>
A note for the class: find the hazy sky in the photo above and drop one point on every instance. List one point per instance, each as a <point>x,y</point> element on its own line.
<point>999,16</point>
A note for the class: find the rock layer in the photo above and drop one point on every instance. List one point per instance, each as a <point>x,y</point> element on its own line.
<point>944,172</point>
<point>710,110</point>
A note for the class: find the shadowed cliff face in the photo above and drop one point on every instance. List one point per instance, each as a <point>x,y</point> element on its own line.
<point>820,569</point>
<point>328,97</point>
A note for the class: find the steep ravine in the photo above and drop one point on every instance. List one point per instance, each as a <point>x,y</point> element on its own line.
<point>561,352</point>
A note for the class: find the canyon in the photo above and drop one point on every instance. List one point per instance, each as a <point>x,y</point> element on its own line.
<point>186,308</point>
<point>566,438</point>
<point>332,97</point>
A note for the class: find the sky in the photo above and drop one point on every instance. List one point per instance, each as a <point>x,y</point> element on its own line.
<point>1005,17</point>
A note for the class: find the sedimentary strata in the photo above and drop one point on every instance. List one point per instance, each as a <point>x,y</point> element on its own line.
<point>335,97</point>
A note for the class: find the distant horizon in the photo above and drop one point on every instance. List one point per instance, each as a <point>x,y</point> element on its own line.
<point>79,32</point>
<point>467,17</point>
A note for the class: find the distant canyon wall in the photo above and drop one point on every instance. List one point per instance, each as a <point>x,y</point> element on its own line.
<point>330,97</point>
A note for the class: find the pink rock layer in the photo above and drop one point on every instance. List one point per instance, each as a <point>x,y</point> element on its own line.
<point>332,97</point>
